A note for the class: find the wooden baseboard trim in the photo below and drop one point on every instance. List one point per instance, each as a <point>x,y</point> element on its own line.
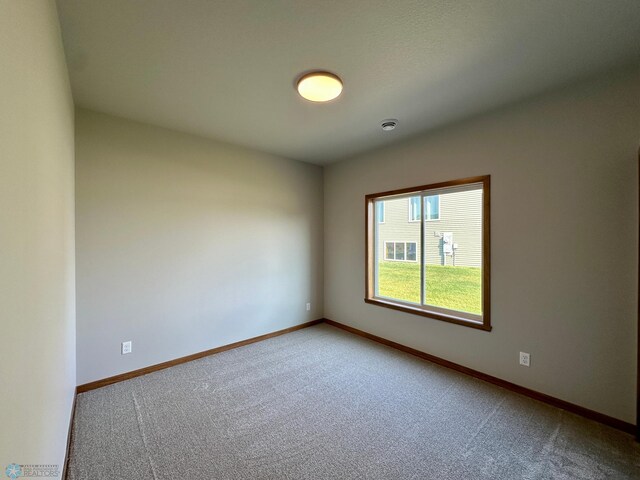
<point>542,397</point>
<point>69,435</point>
<point>177,361</point>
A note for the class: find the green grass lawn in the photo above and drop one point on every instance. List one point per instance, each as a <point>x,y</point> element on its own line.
<point>456,288</point>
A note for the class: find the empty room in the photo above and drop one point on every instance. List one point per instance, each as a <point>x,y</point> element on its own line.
<point>295,239</point>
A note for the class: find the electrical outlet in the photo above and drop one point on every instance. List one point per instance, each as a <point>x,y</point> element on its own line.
<point>126,347</point>
<point>308,307</point>
<point>525,359</point>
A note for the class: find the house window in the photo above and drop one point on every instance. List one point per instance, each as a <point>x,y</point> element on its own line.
<point>440,269</point>
<point>432,207</point>
<point>380,212</point>
<point>411,251</point>
<point>390,252</point>
<point>400,251</point>
<point>414,209</point>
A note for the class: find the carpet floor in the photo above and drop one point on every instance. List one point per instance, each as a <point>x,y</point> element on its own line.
<point>320,403</point>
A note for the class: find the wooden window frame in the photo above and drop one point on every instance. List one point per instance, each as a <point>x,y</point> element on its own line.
<point>483,323</point>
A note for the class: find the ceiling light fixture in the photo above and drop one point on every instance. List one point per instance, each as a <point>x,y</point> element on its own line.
<point>389,124</point>
<point>319,86</point>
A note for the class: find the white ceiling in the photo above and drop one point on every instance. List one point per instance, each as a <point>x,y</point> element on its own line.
<point>226,69</point>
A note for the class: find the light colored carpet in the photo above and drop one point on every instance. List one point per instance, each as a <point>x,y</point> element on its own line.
<point>321,403</point>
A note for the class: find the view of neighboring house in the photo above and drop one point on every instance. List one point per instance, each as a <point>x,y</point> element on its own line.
<point>452,231</point>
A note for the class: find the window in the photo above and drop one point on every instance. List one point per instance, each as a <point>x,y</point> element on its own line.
<point>431,209</point>
<point>390,251</point>
<point>400,251</point>
<point>411,251</point>
<point>436,269</point>
<point>414,209</point>
<point>380,212</point>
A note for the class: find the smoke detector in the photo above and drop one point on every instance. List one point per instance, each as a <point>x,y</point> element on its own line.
<point>389,124</point>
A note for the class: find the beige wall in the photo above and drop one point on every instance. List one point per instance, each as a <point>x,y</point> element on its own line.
<point>185,244</point>
<point>564,185</point>
<point>37,304</point>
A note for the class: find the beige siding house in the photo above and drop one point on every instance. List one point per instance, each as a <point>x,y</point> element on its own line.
<point>453,228</point>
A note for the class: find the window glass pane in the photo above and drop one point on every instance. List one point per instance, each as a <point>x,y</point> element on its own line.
<point>453,249</point>
<point>380,212</point>
<point>432,207</point>
<point>389,251</point>
<point>414,209</point>
<point>411,251</point>
<point>395,242</point>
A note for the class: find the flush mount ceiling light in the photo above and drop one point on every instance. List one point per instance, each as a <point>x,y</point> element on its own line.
<point>319,86</point>
<point>389,124</point>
